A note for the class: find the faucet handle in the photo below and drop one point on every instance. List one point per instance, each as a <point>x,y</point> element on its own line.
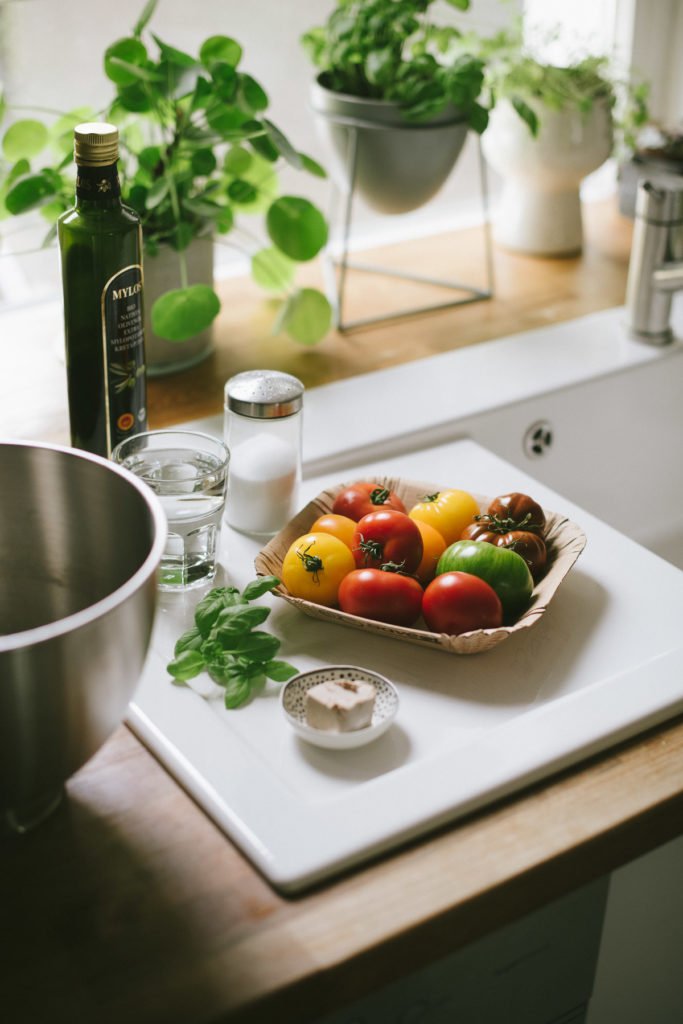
<point>659,199</point>
<point>656,265</point>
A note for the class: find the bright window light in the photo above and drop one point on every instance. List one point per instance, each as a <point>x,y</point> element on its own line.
<point>558,32</point>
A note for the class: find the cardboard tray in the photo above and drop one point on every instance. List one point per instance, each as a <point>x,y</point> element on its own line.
<point>564,539</point>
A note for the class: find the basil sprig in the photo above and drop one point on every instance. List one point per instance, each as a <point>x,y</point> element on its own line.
<point>225,642</point>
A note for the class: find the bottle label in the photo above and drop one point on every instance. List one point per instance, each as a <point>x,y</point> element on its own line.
<point>124,355</point>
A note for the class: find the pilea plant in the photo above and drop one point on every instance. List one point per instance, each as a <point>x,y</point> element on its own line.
<point>393,50</point>
<point>198,155</point>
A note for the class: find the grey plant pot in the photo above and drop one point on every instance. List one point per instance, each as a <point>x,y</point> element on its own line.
<point>162,274</point>
<point>400,165</point>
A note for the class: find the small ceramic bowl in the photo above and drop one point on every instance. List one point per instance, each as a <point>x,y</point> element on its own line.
<point>293,700</point>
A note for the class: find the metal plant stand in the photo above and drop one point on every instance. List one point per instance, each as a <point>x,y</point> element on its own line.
<point>336,267</point>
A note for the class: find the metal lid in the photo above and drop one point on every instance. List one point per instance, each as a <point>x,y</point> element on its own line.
<point>264,394</point>
<point>659,199</point>
<point>96,144</point>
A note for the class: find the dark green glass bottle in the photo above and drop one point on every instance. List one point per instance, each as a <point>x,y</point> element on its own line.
<point>101,249</point>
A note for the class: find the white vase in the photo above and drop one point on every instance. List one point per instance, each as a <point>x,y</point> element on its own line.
<point>162,274</point>
<point>539,211</point>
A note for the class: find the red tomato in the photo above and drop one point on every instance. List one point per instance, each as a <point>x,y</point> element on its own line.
<point>381,595</point>
<point>359,499</point>
<point>387,537</point>
<point>457,602</point>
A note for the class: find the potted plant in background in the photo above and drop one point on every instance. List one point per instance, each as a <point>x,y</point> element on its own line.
<point>393,105</point>
<point>549,127</point>
<point>198,153</point>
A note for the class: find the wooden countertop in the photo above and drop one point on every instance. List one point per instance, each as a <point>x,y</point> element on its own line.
<point>130,904</point>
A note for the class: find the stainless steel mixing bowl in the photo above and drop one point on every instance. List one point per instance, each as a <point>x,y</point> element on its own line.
<point>80,542</point>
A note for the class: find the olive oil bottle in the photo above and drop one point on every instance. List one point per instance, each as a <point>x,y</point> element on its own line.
<point>101,251</point>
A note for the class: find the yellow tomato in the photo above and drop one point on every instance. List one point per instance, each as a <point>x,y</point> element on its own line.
<point>336,525</point>
<point>315,565</point>
<point>449,512</point>
<point>433,546</point>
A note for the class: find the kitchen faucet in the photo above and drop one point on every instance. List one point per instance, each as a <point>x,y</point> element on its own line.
<point>656,266</point>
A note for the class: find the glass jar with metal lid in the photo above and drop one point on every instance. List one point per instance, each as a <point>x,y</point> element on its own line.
<point>263,425</point>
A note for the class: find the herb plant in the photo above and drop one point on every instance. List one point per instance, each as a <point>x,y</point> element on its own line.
<point>198,153</point>
<point>224,642</point>
<point>513,73</point>
<point>392,50</point>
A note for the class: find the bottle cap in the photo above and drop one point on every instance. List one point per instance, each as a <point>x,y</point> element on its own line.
<point>96,144</point>
<point>264,394</point>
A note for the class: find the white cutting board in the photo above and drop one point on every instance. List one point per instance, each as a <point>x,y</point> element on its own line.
<point>604,662</point>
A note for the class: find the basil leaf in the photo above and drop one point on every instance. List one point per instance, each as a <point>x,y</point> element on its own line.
<point>259,587</point>
<point>237,691</point>
<point>243,614</point>
<point>258,646</point>
<point>221,667</point>
<point>189,641</point>
<point>210,607</point>
<point>279,671</point>
<point>187,665</point>
<point>231,634</point>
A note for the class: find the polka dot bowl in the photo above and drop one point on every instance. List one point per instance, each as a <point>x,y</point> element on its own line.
<point>293,701</point>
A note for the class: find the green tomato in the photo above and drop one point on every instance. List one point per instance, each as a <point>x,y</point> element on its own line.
<point>502,568</point>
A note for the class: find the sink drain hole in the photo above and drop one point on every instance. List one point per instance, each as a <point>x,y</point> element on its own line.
<point>538,439</point>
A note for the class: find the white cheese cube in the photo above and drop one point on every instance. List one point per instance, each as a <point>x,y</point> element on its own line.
<point>342,705</point>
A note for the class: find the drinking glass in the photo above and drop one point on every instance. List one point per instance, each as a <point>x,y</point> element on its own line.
<point>188,471</point>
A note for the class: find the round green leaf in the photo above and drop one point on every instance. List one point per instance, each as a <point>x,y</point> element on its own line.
<point>149,157</point>
<point>24,139</point>
<point>29,192</point>
<point>20,168</point>
<point>272,270</point>
<point>225,221</point>
<point>181,314</point>
<point>253,95</point>
<point>307,316</point>
<point>237,160</point>
<point>220,48</point>
<point>241,191</point>
<point>296,227</point>
<point>203,161</point>
<point>224,119</point>
<point>134,98</point>
<point>130,50</point>
<point>225,80</point>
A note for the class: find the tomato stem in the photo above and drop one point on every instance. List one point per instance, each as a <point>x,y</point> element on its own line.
<point>397,567</point>
<point>498,525</point>
<point>312,563</point>
<point>372,549</point>
<point>379,496</point>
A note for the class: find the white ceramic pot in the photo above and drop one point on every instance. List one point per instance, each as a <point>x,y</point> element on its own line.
<point>399,165</point>
<point>162,274</point>
<point>539,211</point>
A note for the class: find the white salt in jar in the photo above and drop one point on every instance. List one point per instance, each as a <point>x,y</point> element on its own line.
<point>263,421</point>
